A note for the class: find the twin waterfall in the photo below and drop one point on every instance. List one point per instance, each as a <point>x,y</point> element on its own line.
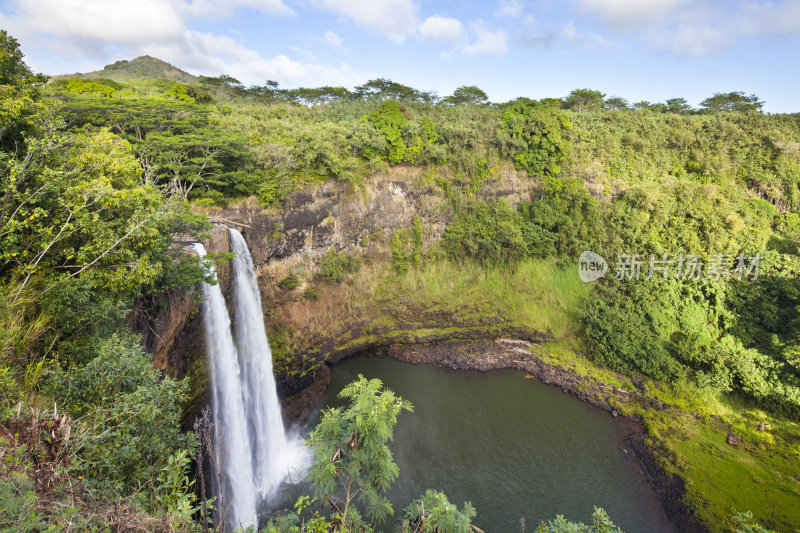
<point>252,450</point>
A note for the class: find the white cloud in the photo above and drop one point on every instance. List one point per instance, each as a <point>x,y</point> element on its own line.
<point>567,35</point>
<point>632,13</point>
<point>67,32</point>
<point>486,41</point>
<point>770,19</point>
<point>333,39</point>
<point>695,27</point>
<point>217,54</point>
<point>396,19</point>
<point>442,29</point>
<point>228,7</point>
<point>508,8</point>
<point>691,40</point>
<point>122,22</point>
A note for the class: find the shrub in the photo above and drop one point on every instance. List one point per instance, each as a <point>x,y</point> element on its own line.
<point>390,120</point>
<point>433,513</point>
<point>490,233</point>
<point>289,282</point>
<point>334,266</point>
<point>407,246</point>
<point>18,505</point>
<point>537,137</point>
<point>77,86</point>
<point>133,413</point>
<point>619,335</point>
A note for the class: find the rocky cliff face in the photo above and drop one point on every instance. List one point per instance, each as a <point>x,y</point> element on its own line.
<point>310,321</point>
<point>174,334</point>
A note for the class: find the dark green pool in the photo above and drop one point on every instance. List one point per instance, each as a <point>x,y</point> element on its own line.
<point>512,446</point>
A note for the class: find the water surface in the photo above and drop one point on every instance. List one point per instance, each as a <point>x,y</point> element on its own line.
<point>512,446</point>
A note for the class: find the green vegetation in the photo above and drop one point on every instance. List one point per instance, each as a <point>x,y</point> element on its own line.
<point>353,464</point>
<point>87,422</point>
<point>290,282</point>
<point>536,137</point>
<point>335,265</point>
<point>351,452</point>
<point>101,174</point>
<point>352,458</point>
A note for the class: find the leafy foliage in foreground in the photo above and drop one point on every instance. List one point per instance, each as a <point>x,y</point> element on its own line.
<point>88,215</point>
<point>351,452</point>
<point>89,429</point>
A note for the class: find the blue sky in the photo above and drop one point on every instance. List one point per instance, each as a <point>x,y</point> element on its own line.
<point>639,50</point>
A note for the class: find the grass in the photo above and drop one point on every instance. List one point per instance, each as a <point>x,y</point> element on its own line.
<point>535,294</point>
<point>721,479</point>
<point>761,475</point>
<point>446,300</point>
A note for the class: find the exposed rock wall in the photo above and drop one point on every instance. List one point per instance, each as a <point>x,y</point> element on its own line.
<point>361,222</point>
<point>172,330</point>
<point>294,240</point>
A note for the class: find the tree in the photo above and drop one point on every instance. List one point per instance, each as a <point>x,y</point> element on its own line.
<point>679,106</point>
<point>351,456</point>
<point>467,95</point>
<point>207,159</point>
<point>318,95</point>
<point>616,102</point>
<point>734,101</point>
<point>13,70</point>
<point>269,91</point>
<point>136,415</point>
<point>21,112</point>
<point>650,106</point>
<point>385,89</point>
<point>75,206</point>
<point>537,135</point>
<point>433,513</point>
<point>583,100</point>
<point>390,119</point>
<point>176,145</point>
<point>490,233</point>
<point>601,523</point>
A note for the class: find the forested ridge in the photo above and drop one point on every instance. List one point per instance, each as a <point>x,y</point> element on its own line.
<point>103,177</point>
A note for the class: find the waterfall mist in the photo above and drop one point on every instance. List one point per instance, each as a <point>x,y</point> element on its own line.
<point>251,444</point>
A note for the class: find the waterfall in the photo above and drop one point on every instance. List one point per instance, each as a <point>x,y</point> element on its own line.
<point>232,442</point>
<point>252,448</point>
<point>271,458</point>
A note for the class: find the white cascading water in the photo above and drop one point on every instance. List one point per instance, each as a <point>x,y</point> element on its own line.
<point>233,451</point>
<point>272,457</point>
<point>251,444</point>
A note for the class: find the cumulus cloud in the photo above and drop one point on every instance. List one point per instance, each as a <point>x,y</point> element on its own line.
<point>632,13</point>
<point>67,31</point>
<point>210,53</point>
<point>508,8</point>
<point>691,40</point>
<point>537,35</point>
<point>333,39</point>
<point>442,29</point>
<point>485,41</point>
<point>694,27</point>
<point>770,19</point>
<point>122,22</point>
<point>228,7</point>
<point>396,19</point>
